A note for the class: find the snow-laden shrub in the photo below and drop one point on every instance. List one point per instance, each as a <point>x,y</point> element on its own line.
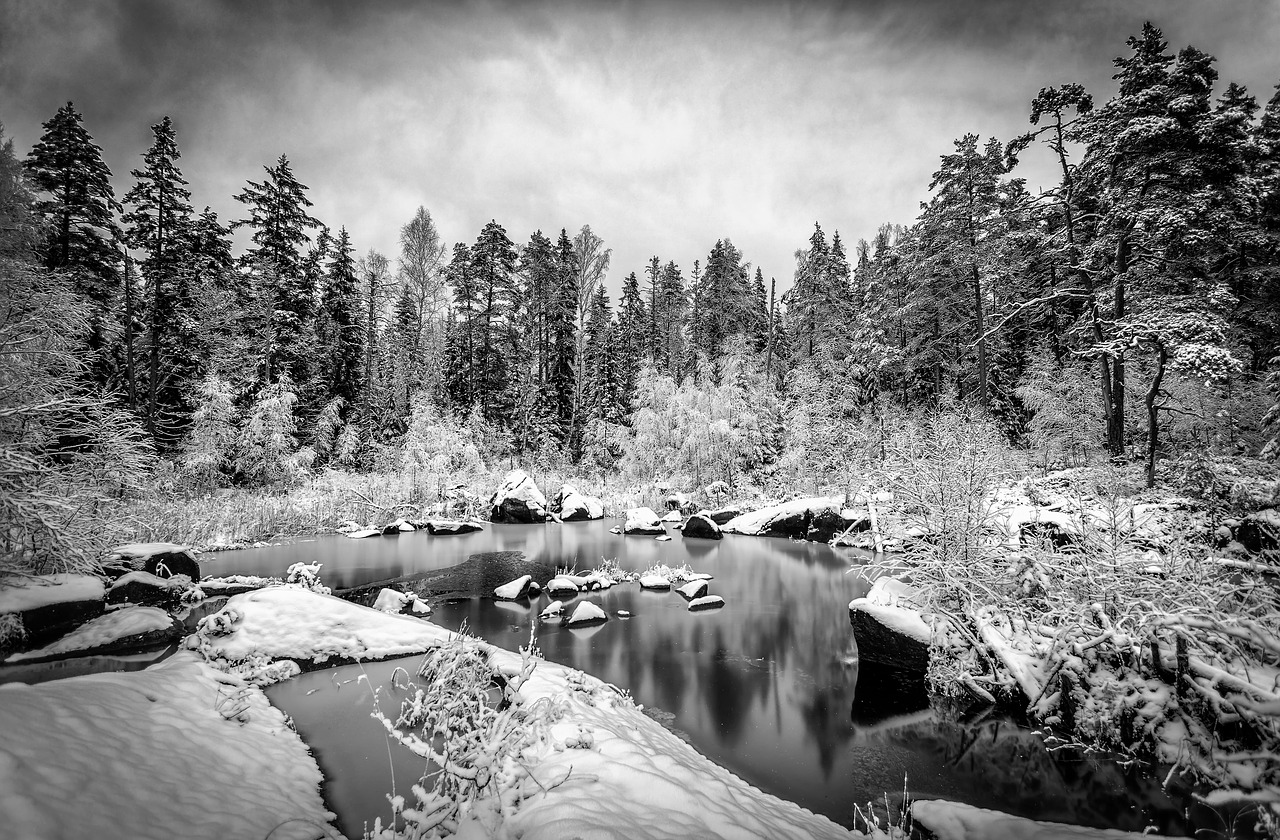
<point>209,448</point>
<point>268,439</point>
<point>436,444</point>
<point>306,576</point>
<point>1065,412</point>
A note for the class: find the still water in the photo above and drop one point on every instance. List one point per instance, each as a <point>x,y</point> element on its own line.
<point>769,686</point>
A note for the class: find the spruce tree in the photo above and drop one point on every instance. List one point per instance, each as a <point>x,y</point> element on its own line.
<point>564,342</point>
<point>341,345</point>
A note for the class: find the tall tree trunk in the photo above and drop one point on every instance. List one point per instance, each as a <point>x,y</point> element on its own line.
<point>980,322</point>
<point>1115,422</point>
<point>1153,414</point>
<point>131,376</point>
<point>157,296</point>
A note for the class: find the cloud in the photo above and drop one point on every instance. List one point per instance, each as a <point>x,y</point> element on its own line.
<point>665,126</point>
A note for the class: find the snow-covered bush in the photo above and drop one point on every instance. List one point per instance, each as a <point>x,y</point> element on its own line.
<point>1065,412</point>
<point>436,444</point>
<point>306,576</point>
<point>268,439</point>
<point>208,450</point>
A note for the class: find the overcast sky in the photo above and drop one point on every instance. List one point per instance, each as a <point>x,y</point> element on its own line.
<point>665,126</point>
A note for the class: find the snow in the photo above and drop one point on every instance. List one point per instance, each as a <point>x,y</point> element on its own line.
<point>50,589</point>
<point>663,538</point>
<point>102,631</point>
<point>285,622</point>
<point>672,516</point>
<point>176,750</point>
<point>364,533</point>
<point>883,604</point>
<point>150,580</point>
<point>390,601</point>
<point>706,602</point>
<point>642,521</point>
<point>957,821</point>
<point>514,590</point>
<point>759,521</point>
<point>654,581</point>
<point>693,589</point>
<point>586,613</point>
<point>552,610</point>
<point>562,583</point>
<point>518,500</point>
<point>141,551</point>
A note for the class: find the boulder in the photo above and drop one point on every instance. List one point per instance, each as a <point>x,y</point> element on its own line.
<point>586,613</point>
<point>888,628</point>
<point>561,585</point>
<point>796,519</point>
<point>451,527</point>
<point>216,587</point>
<point>518,500</point>
<point>693,589</point>
<point>572,506</point>
<point>552,610</point>
<point>706,602</point>
<point>160,559</point>
<point>127,629</point>
<point>514,590</point>
<point>1260,531</point>
<point>147,589</point>
<point>642,521</point>
<point>680,503</point>
<point>724,514</point>
<point>390,601</point>
<point>654,582</point>
<point>50,605</point>
<point>701,525</point>
<point>363,534</point>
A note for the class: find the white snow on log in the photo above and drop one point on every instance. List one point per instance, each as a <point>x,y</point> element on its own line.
<point>513,590</point>
<point>177,749</point>
<point>363,533</point>
<point>33,593</point>
<point>958,821</point>
<point>1025,668</point>
<point>642,521</point>
<point>586,613</point>
<point>552,610</point>
<point>758,521</point>
<point>654,582</point>
<point>102,631</point>
<point>285,622</point>
<point>706,602</point>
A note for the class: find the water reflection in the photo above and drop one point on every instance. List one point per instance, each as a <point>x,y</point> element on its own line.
<point>768,686</point>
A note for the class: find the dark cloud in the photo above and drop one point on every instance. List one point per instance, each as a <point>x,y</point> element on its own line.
<point>663,125</point>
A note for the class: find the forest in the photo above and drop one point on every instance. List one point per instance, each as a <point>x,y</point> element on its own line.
<point>1130,311</point>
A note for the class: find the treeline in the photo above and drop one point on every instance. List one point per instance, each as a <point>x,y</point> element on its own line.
<point>1136,302</point>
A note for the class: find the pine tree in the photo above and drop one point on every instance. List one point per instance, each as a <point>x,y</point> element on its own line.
<point>491,319</point>
<point>630,342</point>
<point>565,355</point>
<point>340,341</point>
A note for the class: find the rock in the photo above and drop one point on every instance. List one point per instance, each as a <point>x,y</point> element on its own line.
<point>535,588</point>
<point>693,589</point>
<point>216,587</point>
<point>451,527</point>
<point>419,607</point>
<point>515,590</point>
<point>586,613</point>
<point>888,629</point>
<point>642,521</point>
<point>50,605</point>
<point>1260,531</point>
<point>724,514</point>
<point>398,526</point>
<point>825,524</point>
<point>347,526</point>
<point>552,610</point>
<point>624,614</point>
<point>125,629</point>
<point>391,601</point>
<point>561,585</point>
<point>572,506</point>
<point>672,516</point>
<point>160,559</point>
<point>363,534</point>
<point>654,582</point>
<point>518,500</point>
<point>148,590</point>
<point>791,519</point>
<point>706,602</point>
<point>702,526</point>
<point>663,538</point>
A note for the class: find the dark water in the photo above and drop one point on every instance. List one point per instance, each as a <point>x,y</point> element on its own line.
<point>769,686</point>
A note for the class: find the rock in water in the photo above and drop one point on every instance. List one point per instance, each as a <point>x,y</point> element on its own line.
<point>706,602</point>
<point>586,613</point>
<point>518,500</point>
<point>654,582</point>
<point>643,521</point>
<point>562,585</point>
<point>552,610</point>
<point>130,628</point>
<point>702,525</point>
<point>390,601</point>
<point>49,605</point>
<point>693,589</point>
<point>572,506</point>
<point>363,534</point>
<point>147,590</point>
<point>515,590</point>
<point>160,559</point>
<point>451,527</point>
<point>816,518</point>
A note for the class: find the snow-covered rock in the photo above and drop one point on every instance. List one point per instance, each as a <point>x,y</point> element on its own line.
<point>159,558</point>
<point>693,589</point>
<point>124,629</point>
<point>706,602</point>
<point>572,506</point>
<point>586,613</point>
<point>889,629</point>
<point>552,610</point>
<point>363,534</point>
<point>642,521</point>
<point>663,538</point>
<point>514,590</point>
<point>398,526</point>
<point>679,503</point>
<point>702,526</point>
<point>229,585</point>
<point>390,601</point>
<point>654,582</point>
<point>815,518</point>
<point>518,500</point>
<point>562,585</point>
<point>451,527</point>
<point>177,749</point>
<point>957,821</point>
<point>49,605</point>
<point>347,526</point>
<point>672,516</point>
<point>1260,531</point>
<point>720,516</point>
<point>147,589</point>
<point>624,614</point>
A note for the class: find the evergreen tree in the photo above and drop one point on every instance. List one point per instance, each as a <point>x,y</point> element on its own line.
<point>565,355</point>
<point>340,340</point>
<point>490,315</point>
<point>630,342</point>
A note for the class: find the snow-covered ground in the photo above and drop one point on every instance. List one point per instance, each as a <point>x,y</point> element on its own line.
<point>177,750</point>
